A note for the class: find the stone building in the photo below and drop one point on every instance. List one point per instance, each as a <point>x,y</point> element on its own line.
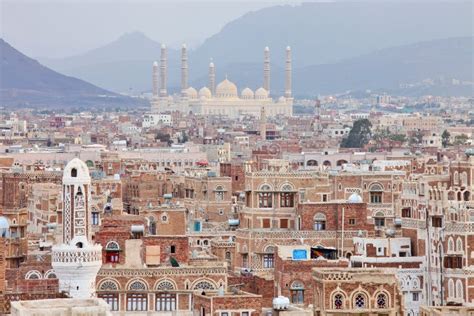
<point>343,291</point>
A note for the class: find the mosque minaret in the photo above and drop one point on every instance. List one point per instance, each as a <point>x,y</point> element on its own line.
<point>155,79</point>
<point>266,69</point>
<point>77,259</point>
<point>212,78</point>
<point>163,72</point>
<point>224,98</point>
<point>288,73</point>
<point>184,70</point>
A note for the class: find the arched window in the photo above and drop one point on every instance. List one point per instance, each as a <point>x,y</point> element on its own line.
<point>111,298</point>
<point>312,162</point>
<point>112,252</point>
<point>204,285</point>
<point>219,191</point>
<point>319,222</point>
<point>450,244</point>
<point>165,286</point>
<point>137,285</point>
<point>50,275</point>
<point>451,288</point>
<point>33,275</point>
<point>382,301</point>
<point>108,285</point>
<point>459,245</point>
<point>338,301</point>
<point>379,219</point>
<point>73,173</point>
<point>459,289</point>
<point>269,257</point>
<point>287,197</point>
<point>265,197</point>
<point>456,177</point>
<point>360,301</point>
<point>375,192</point>
<point>297,292</point>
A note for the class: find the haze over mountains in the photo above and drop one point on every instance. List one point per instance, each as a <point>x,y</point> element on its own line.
<point>328,39</point>
<point>25,82</point>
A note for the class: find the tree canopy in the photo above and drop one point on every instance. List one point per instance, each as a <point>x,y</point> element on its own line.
<point>359,135</point>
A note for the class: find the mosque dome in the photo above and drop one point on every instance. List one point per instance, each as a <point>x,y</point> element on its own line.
<point>282,99</point>
<point>4,226</point>
<point>354,198</point>
<point>247,93</point>
<point>205,92</point>
<point>191,93</point>
<point>226,89</point>
<point>261,93</point>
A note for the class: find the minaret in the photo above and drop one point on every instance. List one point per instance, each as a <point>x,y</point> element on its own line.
<point>77,260</point>
<point>184,70</point>
<point>266,69</point>
<point>288,73</point>
<point>155,79</point>
<point>263,123</point>
<point>163,72</point>
<point>318,126</point>
<point>212,78</point>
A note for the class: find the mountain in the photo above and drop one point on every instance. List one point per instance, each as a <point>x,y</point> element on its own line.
<point>319,33</point>
<point>387,69</point>
<point>123,65</point>
<point>24,81</point>
<point>392,68</point>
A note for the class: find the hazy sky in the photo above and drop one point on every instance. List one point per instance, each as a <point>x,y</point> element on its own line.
<point>59,28</point>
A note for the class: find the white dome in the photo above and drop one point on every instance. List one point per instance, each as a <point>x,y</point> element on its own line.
<point>261,93</point>
<point>247,93</point>
<point>226,89</point>
<point>354,198</point>
<point>205,92</point>
<point>76,171</point>
<point>282,99</point>
<point>191,93</point>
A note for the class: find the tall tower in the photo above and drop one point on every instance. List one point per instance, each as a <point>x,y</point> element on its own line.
<point>212,78</point>
<point>77,260</point>
<point>266,69</point>
<point>184,70</point>
<point>263,123</point>
<point>318,127</point>
<point>155,79</point>
<point>163,72</point>
<point>288,73</point>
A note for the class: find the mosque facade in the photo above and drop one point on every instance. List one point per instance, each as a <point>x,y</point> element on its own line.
<point>221,99</point>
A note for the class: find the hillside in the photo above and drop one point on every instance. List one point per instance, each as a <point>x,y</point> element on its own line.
<point>24,81</point>
<point>323,34</point>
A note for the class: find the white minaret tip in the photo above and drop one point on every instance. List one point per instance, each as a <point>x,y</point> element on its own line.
<point>163,46</point>
<point>267,49</point>
<point>288,48</point>
<point>211,64</point>
<point>184,45</point>
<point>155,63</point>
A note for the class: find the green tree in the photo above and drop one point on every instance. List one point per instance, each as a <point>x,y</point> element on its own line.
<point>359,135</point>
<point>445,138</point>
<point>460,139</point>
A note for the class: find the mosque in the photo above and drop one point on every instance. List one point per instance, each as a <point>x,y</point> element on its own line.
<point>223,98</point>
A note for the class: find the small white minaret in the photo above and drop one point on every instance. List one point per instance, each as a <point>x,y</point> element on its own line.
<point>77,260</point>
<point>266,69</point>
<point>184,70</point>
<point>288,73</point>
<point>155,79</point>
<point>163,72</point>
<point>212,78</point>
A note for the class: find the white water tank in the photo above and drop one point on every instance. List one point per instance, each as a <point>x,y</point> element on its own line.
<point>281,303</point>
